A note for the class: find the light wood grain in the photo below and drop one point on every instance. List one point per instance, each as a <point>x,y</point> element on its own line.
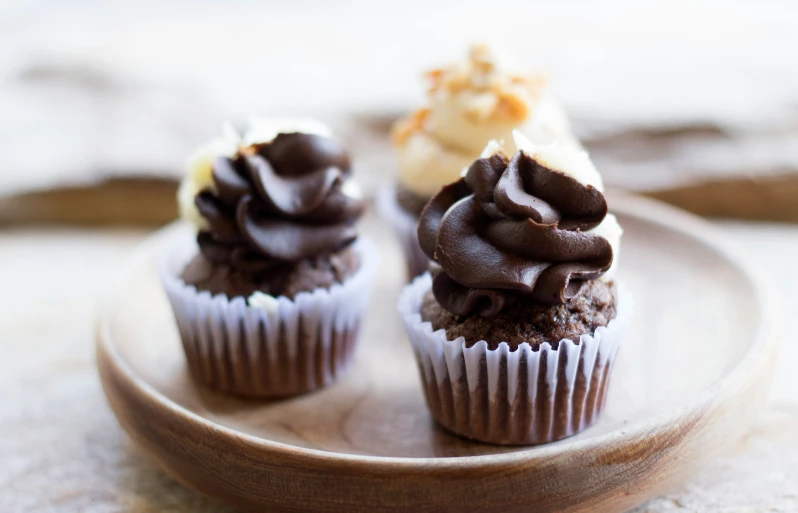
<point>687,384</point>
<point>764,198</point>
<point>121,201</point>
<point>705,168</point>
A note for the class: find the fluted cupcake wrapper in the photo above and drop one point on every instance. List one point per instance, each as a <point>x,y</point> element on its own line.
<point>289,347</point>
<point>405,225</point>
<point>522,397</point>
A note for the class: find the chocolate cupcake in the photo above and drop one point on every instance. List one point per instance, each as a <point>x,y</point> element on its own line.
<point>469,105</point>
<point>516,328</point>
<point>269,294</point>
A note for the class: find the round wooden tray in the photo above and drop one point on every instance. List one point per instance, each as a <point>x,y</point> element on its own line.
<point>693,371</point>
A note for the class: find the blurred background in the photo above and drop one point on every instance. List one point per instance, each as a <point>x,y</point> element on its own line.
<point>672,98</point>
<point>694,103</point>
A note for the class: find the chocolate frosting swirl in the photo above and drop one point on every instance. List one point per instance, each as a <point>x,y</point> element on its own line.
<point>278,202</point>
<point>512,228</point>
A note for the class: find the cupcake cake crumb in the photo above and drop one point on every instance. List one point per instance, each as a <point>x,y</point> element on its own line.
<point>528,321</point>
<point>287,280</point>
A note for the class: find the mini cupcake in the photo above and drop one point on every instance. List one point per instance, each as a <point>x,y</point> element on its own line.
<point>469,105</point>
<point>269,294</point>
<point>516,328</point>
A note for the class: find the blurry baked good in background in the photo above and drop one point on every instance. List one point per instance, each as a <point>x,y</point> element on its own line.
<point>97,93</point>
<point>468,103</point>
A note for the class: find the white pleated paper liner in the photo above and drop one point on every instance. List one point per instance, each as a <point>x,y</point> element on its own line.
<point>405,225</point>
<point>285,348</point>
<point>520,397</point>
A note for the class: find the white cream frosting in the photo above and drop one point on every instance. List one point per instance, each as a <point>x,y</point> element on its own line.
<point>451,125</point>
<point>352,189</point>
<point>492,148</point>
<point>611,230</point>
<point>199,175</point>
<point>265,301</point>
<point>428,165</point>
<point>469,105</point>
<point>562,156</point>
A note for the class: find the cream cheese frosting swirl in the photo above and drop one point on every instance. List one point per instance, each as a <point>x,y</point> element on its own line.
<point>513,227</point>
<point>469,105</point>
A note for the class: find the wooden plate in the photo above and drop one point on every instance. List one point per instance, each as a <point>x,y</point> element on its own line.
<point>693,371</point>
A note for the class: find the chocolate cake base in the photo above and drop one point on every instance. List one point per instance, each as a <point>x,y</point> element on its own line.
<point>282,280</point>
<point>522,395</point>
<point>529,322</point>
<point>271,349</point>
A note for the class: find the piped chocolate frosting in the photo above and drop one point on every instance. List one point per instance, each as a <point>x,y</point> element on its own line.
<point>278,202</point>
<point>513,228</point>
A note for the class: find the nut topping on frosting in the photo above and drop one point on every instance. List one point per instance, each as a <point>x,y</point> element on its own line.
<point>491,94</point>
<point>515,227</point>
<point>274,201</point>
<point>470,104</point>
<point>408,126</point>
